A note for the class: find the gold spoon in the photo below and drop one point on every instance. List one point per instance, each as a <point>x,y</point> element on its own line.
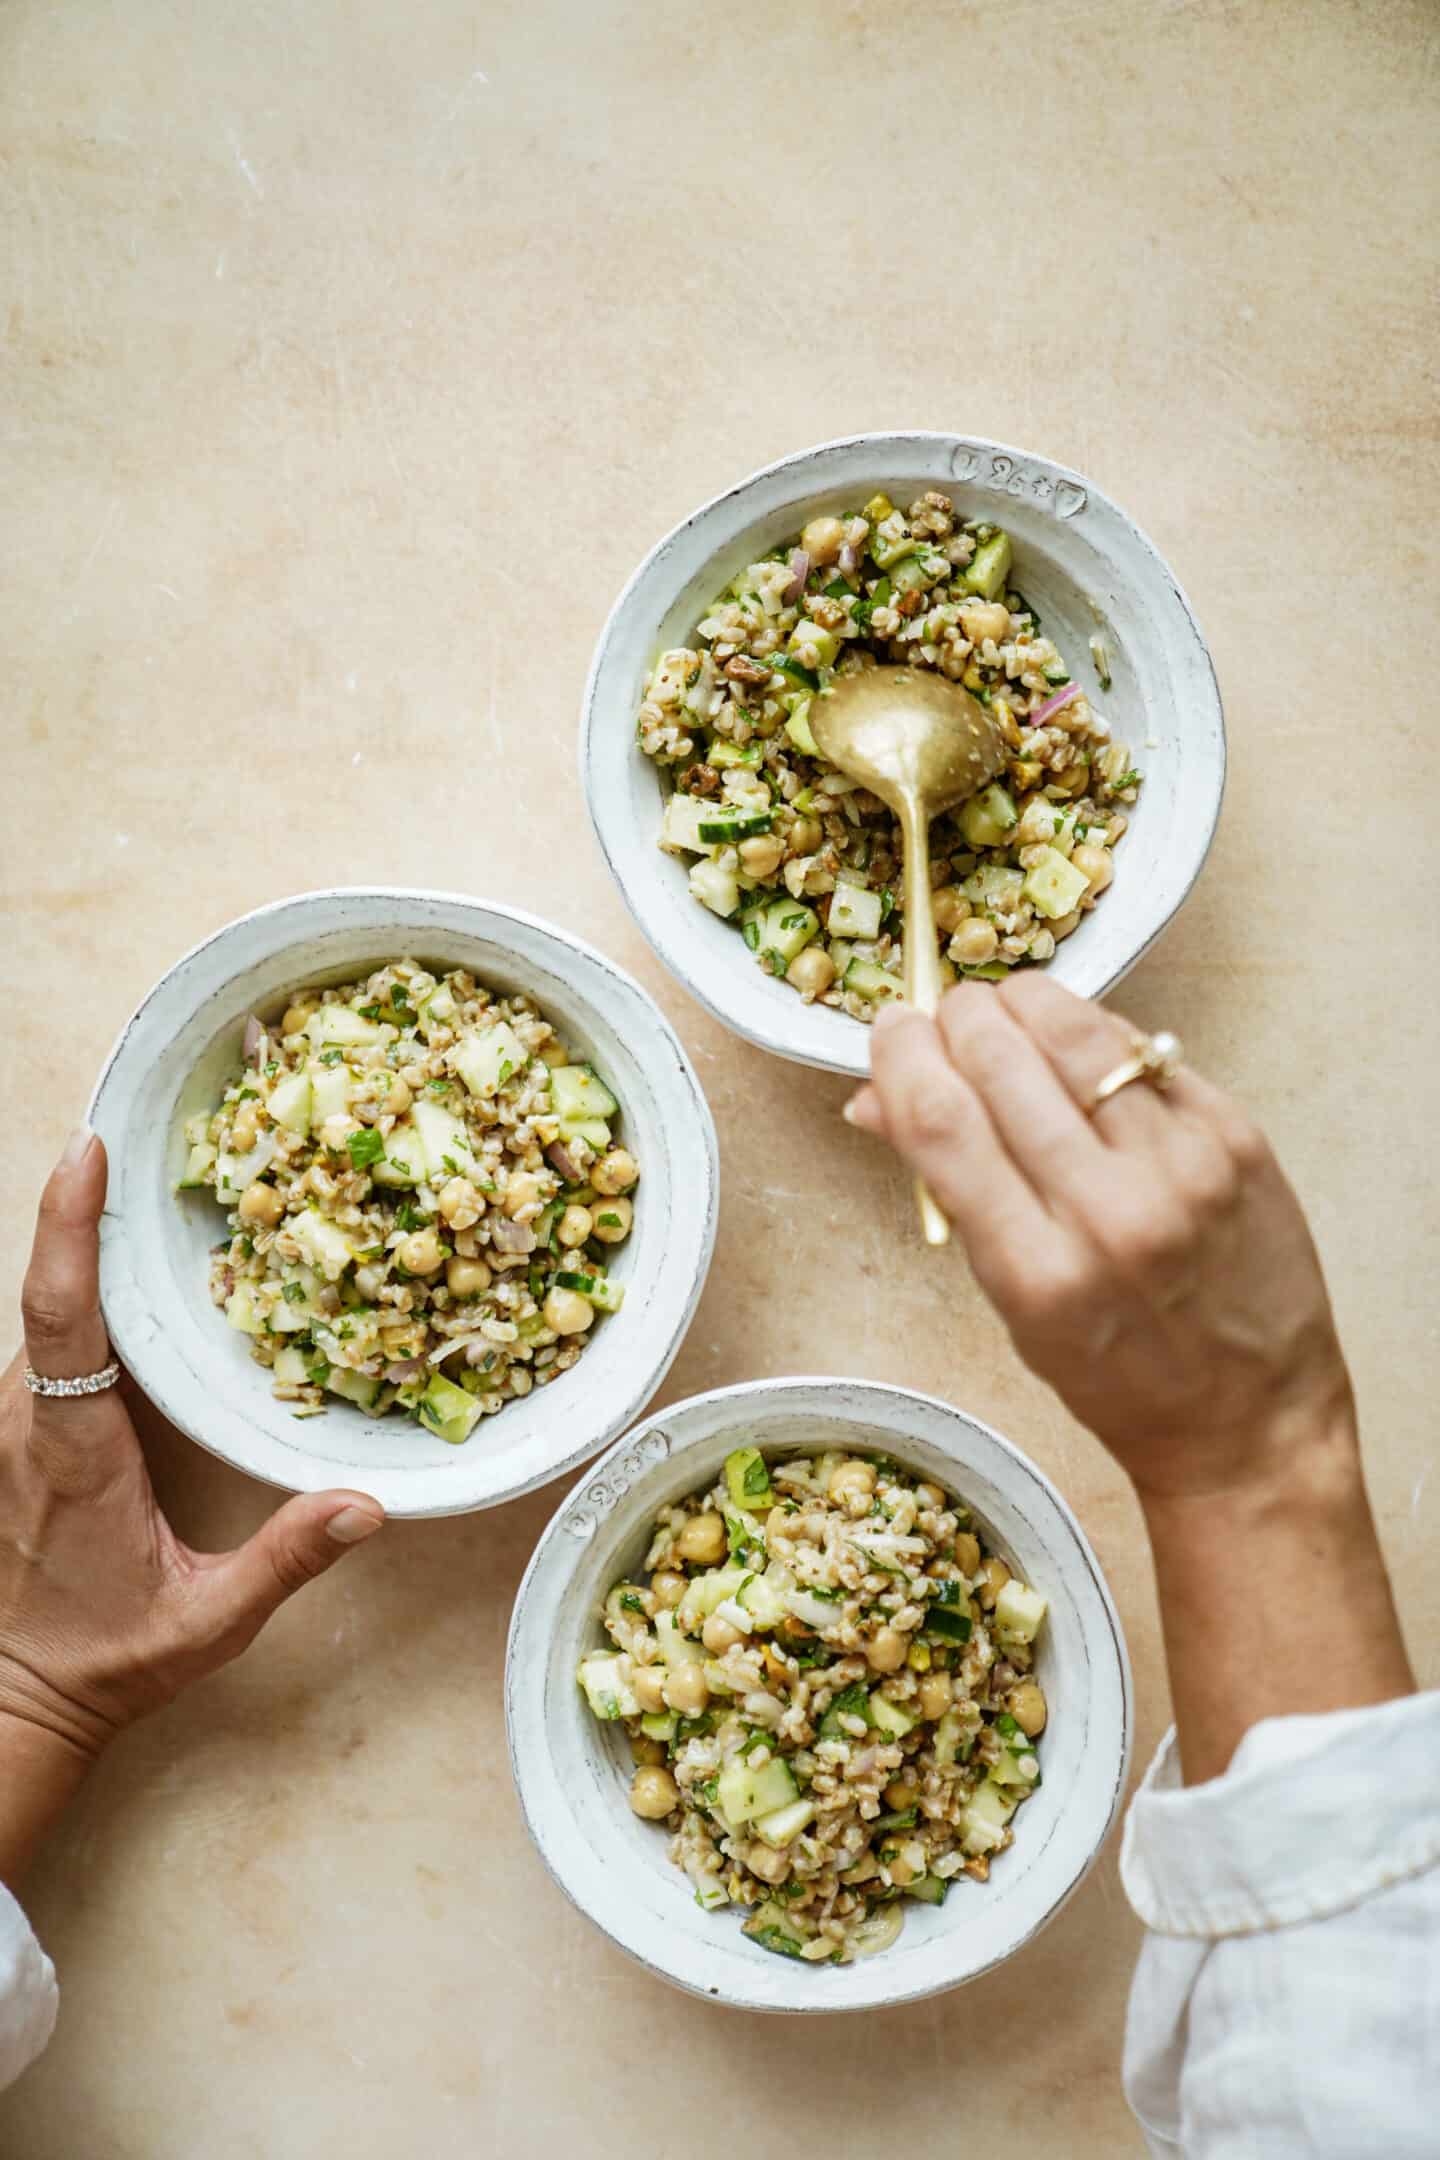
<point>922,744</point>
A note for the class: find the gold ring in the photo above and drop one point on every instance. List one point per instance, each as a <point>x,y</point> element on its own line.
<point>1155,1058</point>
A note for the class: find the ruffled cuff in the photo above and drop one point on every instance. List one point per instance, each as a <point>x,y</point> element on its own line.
<point>29,1998</point>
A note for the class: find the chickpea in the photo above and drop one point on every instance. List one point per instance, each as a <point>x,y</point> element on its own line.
<point>974,943</point>
<point>852,1480</point>
<point>1094,865</point>
<point>986,619</point>
<point>653,1792</point>
<point>805,836</point>
<point>901,1794</point>
<point>822,540</point>
<point>574,1226</point>
<point>685,1690</point>
<point>718,1636</point>
<point>612,1222</point>
<point>522,1191</point>
<point>397,1097</point>
<point>1027,1707</point>
<point>762,855</point>
<point>645,1750</point>
<point>1073,781</point>
<point>1065,925</point>
<point>993,1578</point>
<point>296,1016</point>
<point>937,1692</point>
<point>261,1204</point>
<point>951,908</point>
<point>567,1312</point>
<point>702,1540</point>
<point>811,972</point>
<point>648,1683</point>
<point>669,1586</point>
<point>763,1860</point>
<point>419,1254</point>
<point>467,1278</point>
<point>967,1553</point>
<point>901,1872</point>
<point>615,1172</point>
<point>885,1652</point>
<point>245,1128</point>
<point>929,1496</point>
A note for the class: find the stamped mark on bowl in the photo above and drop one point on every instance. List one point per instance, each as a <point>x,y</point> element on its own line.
<point>583,1518</point>
<point>994,468</point>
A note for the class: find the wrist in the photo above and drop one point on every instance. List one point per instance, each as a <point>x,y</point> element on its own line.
<point>40,1773</point>
<point>1304,1448</point>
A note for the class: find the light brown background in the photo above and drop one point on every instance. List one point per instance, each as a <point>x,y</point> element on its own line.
<point>354,353</point>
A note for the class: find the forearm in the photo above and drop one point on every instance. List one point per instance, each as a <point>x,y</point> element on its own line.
<point>39,1776</point>
<point>1274,1598</point>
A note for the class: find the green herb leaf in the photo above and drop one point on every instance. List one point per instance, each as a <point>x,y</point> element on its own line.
<point>293,1293</point>
<point>365,1147</point>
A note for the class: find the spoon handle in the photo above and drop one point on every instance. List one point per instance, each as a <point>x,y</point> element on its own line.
<point>922,968</point>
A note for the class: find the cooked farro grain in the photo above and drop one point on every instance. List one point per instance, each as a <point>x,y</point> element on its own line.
<point>806,863</point>
<point>827,1686</point>
<point>423,1191</point>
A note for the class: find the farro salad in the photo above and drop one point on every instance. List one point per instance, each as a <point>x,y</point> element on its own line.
<point>423,1190</point>
<point>807,863</point>
<point>827,1686</point>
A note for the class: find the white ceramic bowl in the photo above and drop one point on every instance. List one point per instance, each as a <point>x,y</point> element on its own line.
<point>170,1061</point>
<point>572,1773</point>
<point>1086,567</point>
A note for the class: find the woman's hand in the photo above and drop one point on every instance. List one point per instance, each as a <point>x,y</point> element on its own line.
<point>1150,1259</point>
<point>1154,1266</point>
<point>104,1614</point>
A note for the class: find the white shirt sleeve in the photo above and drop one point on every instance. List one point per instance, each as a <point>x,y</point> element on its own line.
<point>29,1997</point>
<point>1287,1999</point>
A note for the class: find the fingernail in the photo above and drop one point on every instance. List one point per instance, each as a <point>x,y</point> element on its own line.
<point>849,1113</point>
<point>77,1147</point>
<point>351,1525</point>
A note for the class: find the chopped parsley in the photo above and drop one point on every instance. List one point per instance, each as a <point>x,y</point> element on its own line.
<point>631,1602</point>
<point>293,1293</point>
<point>331,1057</point>
<point>365,1147</point>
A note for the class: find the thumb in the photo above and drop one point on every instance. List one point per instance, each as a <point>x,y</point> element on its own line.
<point>301,1540</point>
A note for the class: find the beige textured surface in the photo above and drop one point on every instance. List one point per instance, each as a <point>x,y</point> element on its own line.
<point>341,342</point>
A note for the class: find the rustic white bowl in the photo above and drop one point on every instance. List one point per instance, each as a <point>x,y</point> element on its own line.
<point>572,1773</point>
<point>170,1061</point>
<point>1086,567</point>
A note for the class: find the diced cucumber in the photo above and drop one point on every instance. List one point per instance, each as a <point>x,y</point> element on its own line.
<point>887,549</point>
<point>485,1061</point>
<point>607,1691</point>
<point>799,676</point>
<point>202,1157</point>
<point>869,981</point>
<point>1018,1770</point>
<point>763,1602</point>
<point>989,567</point>
<point>1054,884</point>
<point>659,1725</point>
<point>595,1130</point>
<point>355,1387</point>
<point>676,1647</point>
<point>330,1024</point>
<point>438,1011</point>
<point>930,1890</point>
<point>997,886</point>
<point>241,1310</point>
<point>234,1172</point>
<point>784,1824</point>
<point>745,1793</point>
<point>987,817</point>
<point>704,1592</point>
<point>952,1734</point>
<point>714,888</point>
<point>983,1819</point>
<point>331,1087</point>
<point>774,1929</point>
<point>445,1142</point>
<point>289,1103</point>
<point>926,567</point>
<point>290,1368</point>
<point>786,928</point>
<point>1019,1611</point>
<point>722,754</point>
<point>797,727</point>
<point>823,643</point>
<point>680,826</point>
<point>403,1162</point>
<point>604,1294</point>
<point>578,1092</point>
<point>888,1717</point>
<point>878,509</point>
<point>949,1621</point>
<point>295,1307</point>
<point>854,911</point>
<point>323,1243</point>
<point>812,1611</point>
<point>451,1414</point>
<point>724,828</point>
<point>748,1479</point>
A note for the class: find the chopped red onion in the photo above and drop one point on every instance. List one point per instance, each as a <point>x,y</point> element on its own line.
<point>799,571</point>
<point>404,1371</point>
<point>1053,705</point>
<point>254,1036</point>
<point>848,562</point>
<point>513,1237</point>
<point>559,1158</point>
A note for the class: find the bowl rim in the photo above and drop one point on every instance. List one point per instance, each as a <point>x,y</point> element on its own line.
<point>565,945</point>
<point>866,1395</point>
<point>671,948</point>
